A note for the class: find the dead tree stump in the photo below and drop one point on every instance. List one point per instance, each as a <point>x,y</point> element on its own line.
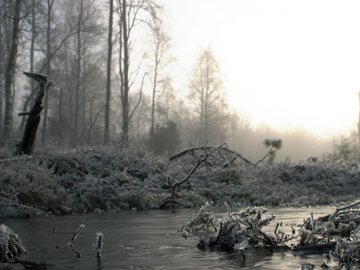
<point>26,145</point>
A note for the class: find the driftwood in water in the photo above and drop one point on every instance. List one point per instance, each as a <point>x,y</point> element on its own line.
<point>27,143</point>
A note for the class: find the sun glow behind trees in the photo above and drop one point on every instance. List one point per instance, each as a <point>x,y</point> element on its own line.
<point>286,64</point>
<point>283,66</point>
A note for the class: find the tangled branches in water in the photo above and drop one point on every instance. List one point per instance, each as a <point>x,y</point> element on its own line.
<point>237,230</point>
<point>337,233</point>
<point>10,244</point>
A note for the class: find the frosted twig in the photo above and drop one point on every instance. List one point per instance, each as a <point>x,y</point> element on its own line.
<point>79,229</point>
<point>72,247</point>
<point>99,243</point>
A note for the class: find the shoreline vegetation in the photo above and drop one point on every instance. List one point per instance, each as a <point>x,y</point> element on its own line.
<point>102,179</point>
<point>97,179</point>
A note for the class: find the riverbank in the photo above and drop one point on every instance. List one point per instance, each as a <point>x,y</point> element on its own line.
<point>100,179</point>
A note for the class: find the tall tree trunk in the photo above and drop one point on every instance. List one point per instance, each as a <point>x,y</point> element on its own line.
<point>206,103</point>
<point>2,45</point>
<point>78,71</point>
<point>10,71</point>
<point>83,94</point>
<point>13,97</point>
<point>202,106</point>
<point>32,42</point>
<point>359,126</point>
<point>48,68</point>
<point>155,77</point>
<point>108,76</point>
<point>32,53</point>
<point>125,87</point>
<point>60,114</point>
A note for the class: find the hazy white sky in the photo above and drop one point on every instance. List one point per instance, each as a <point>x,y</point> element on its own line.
<point>285,63</point>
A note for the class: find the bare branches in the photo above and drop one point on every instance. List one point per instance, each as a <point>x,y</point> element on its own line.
<point>139,100</point>
<point>54,52</point>
<point>222,147</point>
<point>93,122</point>
<point>225,148</point>
<point>338,210</point>
<point>201,159</point>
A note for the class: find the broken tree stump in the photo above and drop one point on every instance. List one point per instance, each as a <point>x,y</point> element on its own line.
<point>26,145</point>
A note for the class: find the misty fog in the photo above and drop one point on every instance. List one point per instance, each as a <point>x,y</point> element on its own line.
<point>111,107</point>
<point>120,84</point>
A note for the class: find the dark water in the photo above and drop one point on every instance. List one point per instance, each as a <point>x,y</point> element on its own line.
<point>146,240</point>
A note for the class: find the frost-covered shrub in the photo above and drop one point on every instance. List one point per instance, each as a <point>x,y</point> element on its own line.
<point>30,184</point>
<point>236,230</point>
<point>10,244</point>
<point>83,179</point>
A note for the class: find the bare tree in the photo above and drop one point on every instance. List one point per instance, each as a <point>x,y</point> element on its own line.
<point>78,66</point>
<point>358,125</point>
<point>76,63</point>
<point>48,36</point>
<point>33,33</point>
<point>32,41</point>
<point>50,4</point>
<point>124,62</point>
<point>10,71</point>
<point>207,95</point>
<point>2,45</point>
<point>129,17</point>
<point>108,74</point>
<point>167,102</point>
<point>161,44</point>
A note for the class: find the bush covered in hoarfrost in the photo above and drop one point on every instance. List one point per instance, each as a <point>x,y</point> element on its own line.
<point>104,179</point>
<point>337,234</point>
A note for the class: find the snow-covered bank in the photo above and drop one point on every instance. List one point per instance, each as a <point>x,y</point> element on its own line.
<point>105,179</point>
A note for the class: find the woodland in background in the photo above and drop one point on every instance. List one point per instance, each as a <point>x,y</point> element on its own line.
<point>110,88</point>
<point>113,109</point>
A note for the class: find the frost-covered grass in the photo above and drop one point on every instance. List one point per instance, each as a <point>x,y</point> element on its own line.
<point>105,179</point>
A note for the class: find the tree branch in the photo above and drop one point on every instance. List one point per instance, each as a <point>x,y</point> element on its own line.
<point>138,103</point>
<point>192,149</point>
<point>200,160</point>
